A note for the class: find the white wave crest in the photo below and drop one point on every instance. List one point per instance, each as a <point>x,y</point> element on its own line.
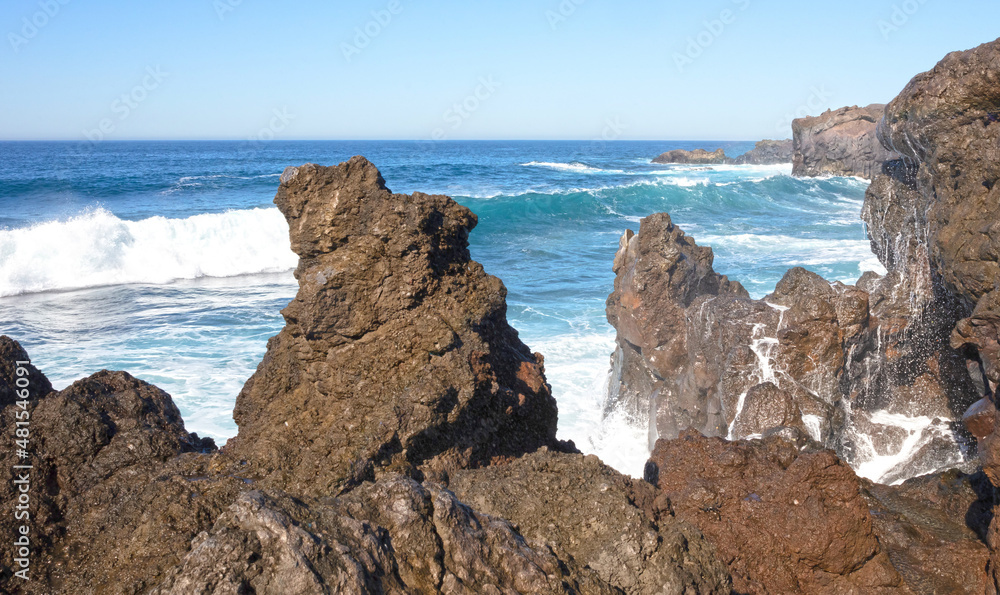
<point>575,166</point>
<point>97,248</point>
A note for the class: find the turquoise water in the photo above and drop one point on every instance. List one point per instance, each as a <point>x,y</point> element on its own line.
<point>168,259</point>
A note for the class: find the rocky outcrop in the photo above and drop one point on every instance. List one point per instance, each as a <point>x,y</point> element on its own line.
<point>698,156</point>
<point>608,522</point>
<point>839,143</point>
<point>397,371</point>
<point>767,152</point>
<point>792,519</point>
<point>396,349</point>
<point>858,369</point>
<point>937,212</point>
<point>784,520</point>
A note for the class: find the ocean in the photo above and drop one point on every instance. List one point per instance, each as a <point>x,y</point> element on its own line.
<point>170,261</point>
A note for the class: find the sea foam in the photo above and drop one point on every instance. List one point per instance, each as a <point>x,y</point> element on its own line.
<point>97,248</point>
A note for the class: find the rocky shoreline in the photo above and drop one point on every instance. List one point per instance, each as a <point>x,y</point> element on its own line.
<point>399,437</point>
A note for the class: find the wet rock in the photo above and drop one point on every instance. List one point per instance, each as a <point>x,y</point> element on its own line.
<point>933,529</point>
<point>855,368</point>
<point>698,156</point>
<point>396,349</point>
<point>839,143</point>
<point>588,512</point>
<point>784,520</point>
<point>767,152</point>
<point>980,417</point>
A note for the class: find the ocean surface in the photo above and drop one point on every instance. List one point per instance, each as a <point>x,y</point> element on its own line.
<point>170,261</point>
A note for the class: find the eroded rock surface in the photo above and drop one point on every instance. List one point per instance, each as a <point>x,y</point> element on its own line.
<point>859,369</point>
<point>698,156</point>
<point>767,152</point>
<point>396,348</point>
<point>839,143</point>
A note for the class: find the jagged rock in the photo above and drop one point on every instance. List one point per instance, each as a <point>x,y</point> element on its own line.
<point>767,152</point>
<point>698,156</point>
<point>853,367</point>
<point>839,143</point>
<point>396,349</point>
<point>783,520</point>
<point>588,512</point>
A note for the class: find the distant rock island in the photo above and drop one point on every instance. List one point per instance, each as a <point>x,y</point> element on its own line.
<point>766,152</point>
<point>840,142</point>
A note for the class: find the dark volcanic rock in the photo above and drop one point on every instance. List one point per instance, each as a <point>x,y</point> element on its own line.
<point>767,152</point>
<point>783,520</point>
<point>396,348</point>
<point>839,143</point>
<point>933,527</point>
<point>588,512</point>
<point>858,369</point>
<point>393,536</point>
<point>698,156</point>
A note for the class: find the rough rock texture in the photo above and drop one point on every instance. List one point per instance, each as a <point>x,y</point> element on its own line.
<point>785,521</point>
<point>603,520</point>
<point>420,374</point>
<point>396,348</point>
<point>839,143</point>
<point>698,156</point>
<point>788,519</point>
<point>943,193</point>
<point>933,529</point>
<point>849,366</point>
<point>393,536</point>
<point>767,152</point>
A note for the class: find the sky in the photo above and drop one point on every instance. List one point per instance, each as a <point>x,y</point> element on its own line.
<point>450,69</point>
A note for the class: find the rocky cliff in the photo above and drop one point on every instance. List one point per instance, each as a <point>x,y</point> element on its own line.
<point>839,143</point>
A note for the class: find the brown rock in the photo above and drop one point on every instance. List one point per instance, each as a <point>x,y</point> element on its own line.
<point>698,156</point>
<point>767,152</point>
<point>784,520</point>
<point>839,143</point>
<point>396,348</point>
<point>979,418</point>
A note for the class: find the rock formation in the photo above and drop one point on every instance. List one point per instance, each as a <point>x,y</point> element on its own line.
<point>943,193</point>
<point>789,518</point>
<point>865,370</point>
<point>396,349</point>
<point>396,372</point>
<point>767,152</point>
<point>839,143</point>
<point>698,156</point>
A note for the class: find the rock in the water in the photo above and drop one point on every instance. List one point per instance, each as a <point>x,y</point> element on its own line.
<point>767,152</point>
<point>698,156</point>
<point>865,370</point>
<point>783,520</point>
<point>396,349</point>
<point>839,143</point>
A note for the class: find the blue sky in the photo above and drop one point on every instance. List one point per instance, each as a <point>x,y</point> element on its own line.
<point>481,69</point>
